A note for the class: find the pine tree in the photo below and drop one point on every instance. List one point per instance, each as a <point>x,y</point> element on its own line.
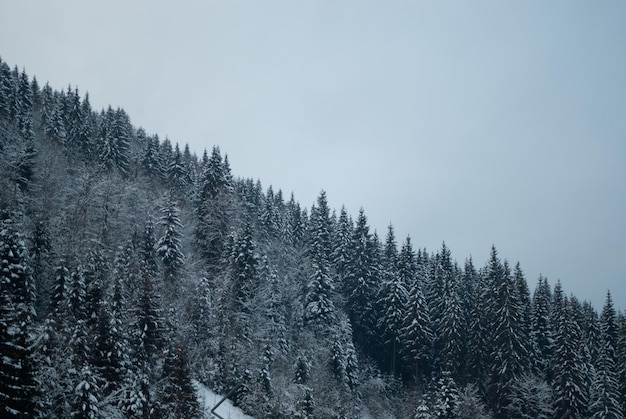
<point>6,81</point>
<point>341,246</point>
<point>541,329</point>
<point>478,335</point>
<point>17,386</point>
<point>114,140</point>
<point>60,288</point>
<point>177,396</point>
<point>177,174</point>
<point>525,317</point>
<point>509,351</point>
<point>621,359</point>
<point>446,397</point>
<point>569,383</point>
<point>359,282</point>
<point>391,301</point>
<point>245,265</point>
<point>86,396</point>
<point>343,361</point>
<point>446,306</point>
<point>319,306</point>
<point>169,246</point>
<point>302,370</point>
<point>416,334</point>
<point>605,396</point>
<point>212,210</point>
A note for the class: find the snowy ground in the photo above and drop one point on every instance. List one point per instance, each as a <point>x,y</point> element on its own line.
<point>208,399</point>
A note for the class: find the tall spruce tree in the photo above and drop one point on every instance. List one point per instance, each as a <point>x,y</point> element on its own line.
<point>17,385</point>
<point>359,283</point>
<point>319,306</point>
<point>169,246</point>
<point>542,331</point>
<point>605,395</point>
<point>392,299</point>
<point>416,331</point>
<point>570,382</point>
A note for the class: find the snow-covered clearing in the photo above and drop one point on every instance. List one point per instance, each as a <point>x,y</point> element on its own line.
<point>208,400</point>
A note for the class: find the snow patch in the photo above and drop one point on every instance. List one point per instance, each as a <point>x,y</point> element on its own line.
<point>208,400</point>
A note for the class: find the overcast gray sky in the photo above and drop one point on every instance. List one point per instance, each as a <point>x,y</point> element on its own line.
<point>477,123</point>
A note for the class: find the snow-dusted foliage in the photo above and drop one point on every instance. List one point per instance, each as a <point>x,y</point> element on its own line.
<point>135,275</point>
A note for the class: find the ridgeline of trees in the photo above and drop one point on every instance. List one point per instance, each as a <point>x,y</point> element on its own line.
<point>130,268</point>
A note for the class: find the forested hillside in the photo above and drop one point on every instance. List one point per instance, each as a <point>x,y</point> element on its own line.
<point>130,267</point>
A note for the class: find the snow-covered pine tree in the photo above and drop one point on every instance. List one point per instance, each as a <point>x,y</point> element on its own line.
<point>509,351</point>
<point>319,306</point>
<point>302,370</point>
<point>359,283</point>
<point>621,358</point>
<point>541,329</point>
<point>446,397</point>
<point>570,381</point>
<point>341,245</point>
<point>177,175</point>
<point>169,247</point>
<point>176,397</point>
<point>17,385</point>
<point>605,395</point>
<point>392,299</point>
<point>416,334</point>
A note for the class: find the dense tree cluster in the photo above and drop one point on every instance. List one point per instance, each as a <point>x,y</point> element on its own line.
<point>129,268</point>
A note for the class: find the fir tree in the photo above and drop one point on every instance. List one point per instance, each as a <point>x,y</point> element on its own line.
<point>319,307</point>
<point>605,397</point>
<point>177,397</point>
<point>416,334</point>
<point>392,298</point>
<point>17,386</point>
<point>541,329</point>
<point>169,247</point>
<point>359,282</point>
<point>569,383</point>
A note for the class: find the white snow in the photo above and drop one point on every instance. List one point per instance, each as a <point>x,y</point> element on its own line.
<point>208,400</point>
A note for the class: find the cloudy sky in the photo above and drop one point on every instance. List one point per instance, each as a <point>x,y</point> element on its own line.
<point>474,123</point>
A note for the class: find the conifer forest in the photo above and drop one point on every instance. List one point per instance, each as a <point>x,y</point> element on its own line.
<point>134,271</point>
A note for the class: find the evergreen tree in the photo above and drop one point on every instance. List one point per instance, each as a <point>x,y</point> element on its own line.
<point>86,396</point>
<point>212,227</point>
<point>509,351</point>
<point>621,359</point>
<point>245,265</point>
<point>177,397</point>
<point>416,334</point>
<point>169,246</point>
<point>6,82</point>
<point>446,397</point>
<point>541,329</point>
<point>303,370</point>
<point>391,301</point>
<point>178,177</point>
<point>60,288</point>
<point>341,246</point>
<point>569,383</point>
<point>478,335</point>
<point>605,397</point>
<point>114,137</point>
<point>17,386</point>
<point>359,282</point>
<point>319,307</point>
<point>343,361</point>
<point>446,306</point>
<point>151,161</point>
